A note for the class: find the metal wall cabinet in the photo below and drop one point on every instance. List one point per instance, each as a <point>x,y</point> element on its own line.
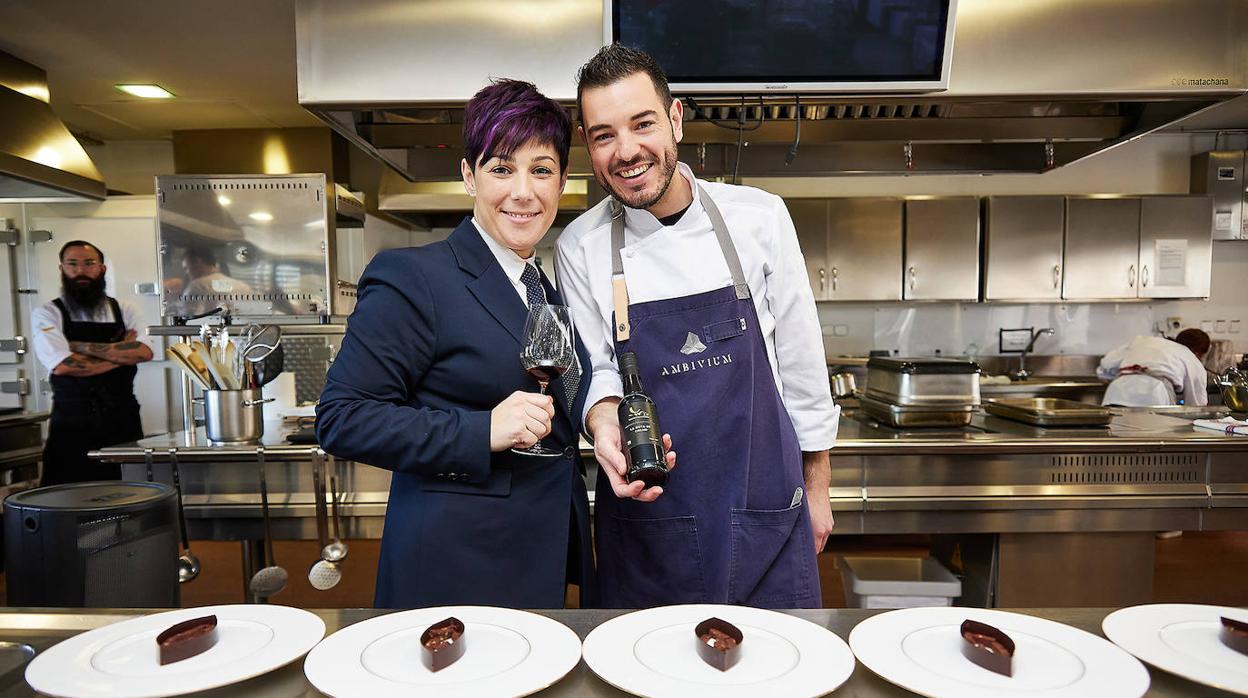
<point>1221,173</point>
<point>1102,248</point>
<point>1176,249</point>
<point>810,218</point>
<point>864,249</point>
<point>1023,247</point>
<point>942,249</point>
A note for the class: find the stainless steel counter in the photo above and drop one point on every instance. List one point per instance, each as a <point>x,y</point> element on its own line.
<point>41,628</point>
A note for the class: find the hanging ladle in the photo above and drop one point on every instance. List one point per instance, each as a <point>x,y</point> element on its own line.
<point>324,574</point>
<point>188,564</point>
<point>271,579</point>
<point>336,551</point>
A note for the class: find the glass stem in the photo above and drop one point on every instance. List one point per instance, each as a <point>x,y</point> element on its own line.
<point>541,388</point>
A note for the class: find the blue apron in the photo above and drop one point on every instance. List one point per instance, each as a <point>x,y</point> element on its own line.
<point>732,524</point>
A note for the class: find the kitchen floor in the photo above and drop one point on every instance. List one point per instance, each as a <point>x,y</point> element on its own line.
<point>1182,573</point>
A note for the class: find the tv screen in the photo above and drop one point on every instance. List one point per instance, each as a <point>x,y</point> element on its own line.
<point>790,45</point>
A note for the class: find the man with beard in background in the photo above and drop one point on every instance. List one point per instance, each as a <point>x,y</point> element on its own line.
<point>90,343</point>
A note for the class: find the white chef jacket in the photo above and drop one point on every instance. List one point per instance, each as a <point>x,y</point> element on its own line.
<point>663,262</point>
<point>1171,368</point>
<point>51,347</point>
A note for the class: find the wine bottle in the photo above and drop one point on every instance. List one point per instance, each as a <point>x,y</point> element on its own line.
<point>639,420</point>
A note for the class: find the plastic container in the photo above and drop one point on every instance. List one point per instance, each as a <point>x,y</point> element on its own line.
<point>897,582</point>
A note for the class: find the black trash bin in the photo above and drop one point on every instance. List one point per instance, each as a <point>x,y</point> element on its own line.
<point>93,544</point>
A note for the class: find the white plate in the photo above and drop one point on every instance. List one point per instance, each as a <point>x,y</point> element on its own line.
<point>509,653</point>
<point>654,653</point>
<point>920,649</point>
<point>121,660</point>
<point>1182,639</point>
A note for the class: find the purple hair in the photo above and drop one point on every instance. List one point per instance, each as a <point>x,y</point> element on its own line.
<point>506,114</point>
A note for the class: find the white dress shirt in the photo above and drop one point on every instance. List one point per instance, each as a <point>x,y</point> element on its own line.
<point>51,347</point>
<point>512,264</point>
<point>664,262</point>
<point>1171,368</point>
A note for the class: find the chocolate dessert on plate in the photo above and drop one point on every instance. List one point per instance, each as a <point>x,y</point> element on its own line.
<point>187,639</point>
<point>1234,634</point>
<point>988,647</point>
<point>719,643</point>
<point>442,644</point>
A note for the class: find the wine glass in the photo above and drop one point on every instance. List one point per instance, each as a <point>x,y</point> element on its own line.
<point>546,354</point>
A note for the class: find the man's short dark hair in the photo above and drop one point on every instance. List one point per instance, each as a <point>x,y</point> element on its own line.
<point>203,254</point>
<point>614,63</point>
<point>1196,340</point>
<point>80,243</point>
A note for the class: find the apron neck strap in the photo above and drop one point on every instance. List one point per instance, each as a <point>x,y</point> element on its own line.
<point>726,247</point>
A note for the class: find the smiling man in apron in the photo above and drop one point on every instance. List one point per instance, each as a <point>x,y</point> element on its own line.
<point>89,341</point>
<point>706,284</point>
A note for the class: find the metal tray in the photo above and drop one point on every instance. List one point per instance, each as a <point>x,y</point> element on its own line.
<point>1049,411</point>
<point>906,416</point>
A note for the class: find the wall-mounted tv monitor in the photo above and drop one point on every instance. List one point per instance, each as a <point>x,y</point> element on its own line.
<point>790,46</point>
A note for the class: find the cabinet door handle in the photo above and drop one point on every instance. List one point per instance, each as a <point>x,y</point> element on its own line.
<point>1057,275</point>
<point>912,275</point>
<point>835,274</point>
<point>1144,275</point>
<point>822,279</point>
<point>1131,276</point>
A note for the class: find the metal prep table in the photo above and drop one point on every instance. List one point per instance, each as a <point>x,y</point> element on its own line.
<point>42,628</point>
<point>1105,491</point>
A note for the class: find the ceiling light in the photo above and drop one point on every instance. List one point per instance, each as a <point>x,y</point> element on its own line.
<point>261,216</point>
<point>224,200</point>
<point>146,91</point>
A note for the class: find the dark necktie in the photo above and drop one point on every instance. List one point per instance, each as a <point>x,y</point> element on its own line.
<point>537,295</point>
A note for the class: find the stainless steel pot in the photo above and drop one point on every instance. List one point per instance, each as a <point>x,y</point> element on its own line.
<point>1234,386</point>
<point>234,416</point>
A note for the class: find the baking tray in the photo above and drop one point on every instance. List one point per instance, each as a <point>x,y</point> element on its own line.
<point>907,416</point>
<point>1049,412</point>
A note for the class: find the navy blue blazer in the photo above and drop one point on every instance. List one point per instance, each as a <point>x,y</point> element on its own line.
<point>433,346</point>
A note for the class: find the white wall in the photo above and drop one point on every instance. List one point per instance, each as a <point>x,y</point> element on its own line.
<point>1151,165</point>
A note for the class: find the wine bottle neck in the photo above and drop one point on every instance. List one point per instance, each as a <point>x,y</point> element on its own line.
<point>632,383</point>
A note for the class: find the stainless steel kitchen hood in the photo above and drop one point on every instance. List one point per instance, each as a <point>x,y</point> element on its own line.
<point>1035,85</point>
<point>39,159</point>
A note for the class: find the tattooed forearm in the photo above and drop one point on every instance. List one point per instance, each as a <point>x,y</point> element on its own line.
<point>80,365</point>
<point>126,352</point>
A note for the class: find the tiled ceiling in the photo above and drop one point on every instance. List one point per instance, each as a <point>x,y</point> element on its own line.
<point>231,63</point>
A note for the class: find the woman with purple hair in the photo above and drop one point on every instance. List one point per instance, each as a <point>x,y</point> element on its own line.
<point>428,385</point>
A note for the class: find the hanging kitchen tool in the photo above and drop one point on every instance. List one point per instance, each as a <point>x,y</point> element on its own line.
<point>336,551</point>
<point>188,563</point>
<point>271,579</point>
<point>325,573</point>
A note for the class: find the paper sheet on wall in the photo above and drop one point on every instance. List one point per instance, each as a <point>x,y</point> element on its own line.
<point>1171,256</point>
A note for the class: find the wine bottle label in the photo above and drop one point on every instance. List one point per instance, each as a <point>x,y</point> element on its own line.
<point>638,422</point>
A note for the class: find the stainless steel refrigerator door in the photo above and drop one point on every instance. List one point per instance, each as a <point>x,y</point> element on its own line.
<point>1023,249</point>
<point>1102,248</point>
<point>1176,246</point>
<point>942,249</point>
<point>864,249</point>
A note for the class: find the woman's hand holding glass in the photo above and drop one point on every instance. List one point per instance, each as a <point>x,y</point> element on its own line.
<point>520,421</point>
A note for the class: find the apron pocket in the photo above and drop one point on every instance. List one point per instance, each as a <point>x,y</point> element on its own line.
<point>765,568</point>
<point>659,562</point>
<point>725,329</point>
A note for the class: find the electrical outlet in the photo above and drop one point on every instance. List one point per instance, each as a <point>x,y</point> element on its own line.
<point>1206,326</point>
<point>1174,324</point>
<point>1219,327</point>
<point>1234,328</point>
